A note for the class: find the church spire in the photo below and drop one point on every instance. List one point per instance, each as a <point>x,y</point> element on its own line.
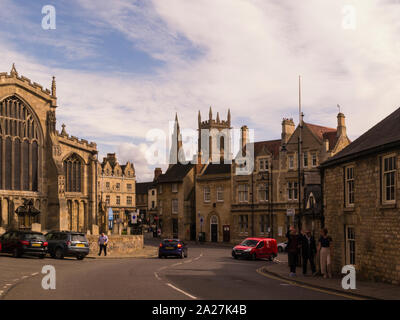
<point>210,114</point>
<point>13,72</point>
<point>53,87</point>
<point>229,117</point>
<point>176,143</point>
<point>199,118</point>
<point>217,117</point>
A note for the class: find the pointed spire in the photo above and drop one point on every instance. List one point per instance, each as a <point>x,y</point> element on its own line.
<point>63,132</point>
<point>13,72</point>
<point>229,117</point>
<point>53,87</point>
<point>217,117</point>
<point>210,114</point>
<point>199,117</point>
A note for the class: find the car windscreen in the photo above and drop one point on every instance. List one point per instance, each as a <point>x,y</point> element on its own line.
<point>249,243</point>
<point>78,237</point>
<point>34,237</point>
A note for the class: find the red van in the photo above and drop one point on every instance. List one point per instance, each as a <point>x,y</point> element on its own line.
<point>256,248</point>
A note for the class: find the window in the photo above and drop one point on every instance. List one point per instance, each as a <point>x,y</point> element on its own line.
<point>118,200</point>
<point>265,224</point>
<point>108,200</point>
<point>350,245</point>
<point>73,174</point>
<point>388,178</point>
<point>220,194</point>
<point>243,193</point>
<point>153,204</point>
<point>153,192</point>
<point>207,194</point>
<point>243,223</point>
<point>160,189</point>
<point>314,159</point>
<point>107,185</point>
<point>263,192</point>
<point>174,205</point>
<point>129,187</point>
<point>174,187</point>
<point>292,190</point>
<point>118,186</point>
<point>305,159</point>
<point>129,200</point>
<point>349,186</point>
<point>263,165</point>
<point>291,162</point>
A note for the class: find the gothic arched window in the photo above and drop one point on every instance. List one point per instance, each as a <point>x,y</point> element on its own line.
<point>19,158</point>
<point>73,173</point>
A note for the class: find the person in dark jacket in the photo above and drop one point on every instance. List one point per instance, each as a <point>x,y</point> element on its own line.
<point>308,251</point>
<point>292,248</point>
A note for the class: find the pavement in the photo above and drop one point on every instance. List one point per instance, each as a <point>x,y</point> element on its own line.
<point>147,252</point>
<point>279,269</point>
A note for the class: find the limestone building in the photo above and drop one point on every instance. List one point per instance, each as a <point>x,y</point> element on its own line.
<point>213,179</point>
<point>362,200</point>
<point>117,188</point>
<point>54,170</point>
<point>146,199</point>
<point>282,184</point>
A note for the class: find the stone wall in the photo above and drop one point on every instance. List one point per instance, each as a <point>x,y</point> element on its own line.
<point>376,224</point>
<point>118,245</point>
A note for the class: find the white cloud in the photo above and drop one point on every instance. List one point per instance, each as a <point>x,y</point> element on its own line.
<point>250,54</point>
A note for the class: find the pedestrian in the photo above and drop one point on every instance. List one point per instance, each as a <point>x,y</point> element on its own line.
<point>293,246</point>
<point>325,252</point>
<point>103,240</point>
<point>308,251</point>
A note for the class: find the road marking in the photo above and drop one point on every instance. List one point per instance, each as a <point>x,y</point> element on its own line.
<point>308,287</point>
<point>181,291</point>
<point>24,277</point>
<point>1,292</point>
<point>176,264</point>
<point>156,275</point>
<point>34,274</point>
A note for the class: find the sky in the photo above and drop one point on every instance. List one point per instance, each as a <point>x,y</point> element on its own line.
<point>125,67</point>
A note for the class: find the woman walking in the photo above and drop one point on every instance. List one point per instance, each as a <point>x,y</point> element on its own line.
<point>325,251</point>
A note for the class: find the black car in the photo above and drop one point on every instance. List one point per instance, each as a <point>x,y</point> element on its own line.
<point>67,244</point>
<point>173,247</point>
<point>20,243</point>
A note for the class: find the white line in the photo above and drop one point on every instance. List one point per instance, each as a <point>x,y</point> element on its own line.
<point>181,291</point>
<point>23,277</point>
<point>176,264</point>
<point>156,275</point>
<point>34,274</point>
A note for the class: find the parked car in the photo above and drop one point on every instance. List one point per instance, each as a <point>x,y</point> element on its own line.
<point>282,246</point>
<point>20,243</point>
<point>256,248</point>
<point>67,244</point>
<point>173,247</point>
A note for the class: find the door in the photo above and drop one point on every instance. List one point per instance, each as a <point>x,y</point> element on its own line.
<point>260,249</point>
<point>227,233</point>
<point>175,228</point>
<point>214,228</point>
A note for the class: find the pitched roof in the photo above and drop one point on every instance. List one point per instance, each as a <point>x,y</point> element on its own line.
<point>384,134</point>
<point>324,133</point>
<point>175,173</point>
<point>143,187</point>
<point>217,168</point>
<point>273,146</point>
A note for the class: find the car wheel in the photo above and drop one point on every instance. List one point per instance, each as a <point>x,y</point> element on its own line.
<point>42,256</point>
<point>160,256</point>
<point>280,249</point>
<point>253,257</point>
<point>16,253</point>
<point>59,253</point>
<point>186,254</point>
<point>80,257</point>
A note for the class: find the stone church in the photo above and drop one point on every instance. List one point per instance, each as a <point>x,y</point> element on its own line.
<point>54,171</point>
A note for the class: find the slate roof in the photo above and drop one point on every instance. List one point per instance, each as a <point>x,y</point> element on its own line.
<point>324,133</point>
<point>143,187</point>
<point>215,168</point>
<point>383,135</point>
<point>175,173</point>
<point>273,146</point>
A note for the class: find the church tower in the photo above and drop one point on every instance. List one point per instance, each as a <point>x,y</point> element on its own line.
<point>214,139</point>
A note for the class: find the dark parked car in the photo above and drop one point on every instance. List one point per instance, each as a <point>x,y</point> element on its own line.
<point>67,244</point>
<point>173,247</point>
<point>19,243</point>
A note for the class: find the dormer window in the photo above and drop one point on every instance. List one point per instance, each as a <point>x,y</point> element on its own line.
<point>263,165</point>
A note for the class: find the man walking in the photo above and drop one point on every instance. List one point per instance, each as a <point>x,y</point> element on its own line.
<point>308,250</point>
<point>293,246</point>
<point>103,240</point>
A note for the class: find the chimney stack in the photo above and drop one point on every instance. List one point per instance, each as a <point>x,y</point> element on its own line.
<point>341,125</point>
<point>244,137</point>
<point>157,173</point>
<point>288,128</point>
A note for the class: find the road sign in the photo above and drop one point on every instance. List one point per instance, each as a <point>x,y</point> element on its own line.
<point>290,212</point>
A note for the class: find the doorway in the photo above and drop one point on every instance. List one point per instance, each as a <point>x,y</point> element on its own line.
<point>227,233</point>
<point>214,228</point>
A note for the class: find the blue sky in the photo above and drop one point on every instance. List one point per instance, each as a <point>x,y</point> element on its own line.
<point>124,67</point>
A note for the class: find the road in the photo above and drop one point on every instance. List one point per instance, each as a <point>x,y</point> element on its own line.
<point>208,273</point>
